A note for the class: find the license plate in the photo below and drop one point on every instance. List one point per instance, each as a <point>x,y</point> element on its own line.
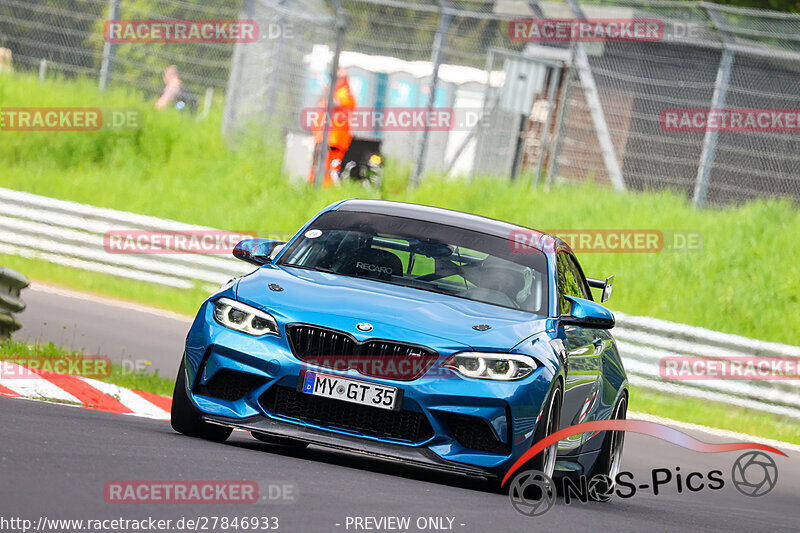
<point>351,390</point>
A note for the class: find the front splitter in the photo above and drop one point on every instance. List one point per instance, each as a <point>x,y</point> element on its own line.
<point>414,456</point>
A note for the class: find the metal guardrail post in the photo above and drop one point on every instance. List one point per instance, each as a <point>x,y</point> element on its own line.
<point>11,283</point>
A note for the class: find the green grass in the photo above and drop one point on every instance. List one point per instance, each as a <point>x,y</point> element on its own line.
<point>11,349</point>
<point>714,414</point>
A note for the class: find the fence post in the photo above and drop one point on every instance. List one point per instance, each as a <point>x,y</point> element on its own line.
<point>439,43</point>
<point>322,156</point>
<point>207,100</point>
<point>558,136</point>
<point>717,101</point>
<point>537,9</point>
<point>596,108</point>
<point>42,69</point>
<point>277,59</point>
<point>235,75</point>
<point>108,47</point>
<point>710,137</point>
<point>544,143</point>
<point>484,107</point>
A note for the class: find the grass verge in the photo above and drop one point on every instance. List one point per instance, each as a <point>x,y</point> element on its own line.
<point>19,352</point>
<point>714,414</point>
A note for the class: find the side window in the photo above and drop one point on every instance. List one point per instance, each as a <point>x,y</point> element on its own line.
<point>580,279</point>
<point>567,284</point>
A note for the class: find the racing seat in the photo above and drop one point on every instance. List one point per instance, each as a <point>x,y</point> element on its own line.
<point>371,263</point>
<point>498,284</point>
<point>502,279</point>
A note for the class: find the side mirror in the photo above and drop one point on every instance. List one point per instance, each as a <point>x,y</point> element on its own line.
<point>587,314</point>
<point>256,251</point>
<point>606,286</point>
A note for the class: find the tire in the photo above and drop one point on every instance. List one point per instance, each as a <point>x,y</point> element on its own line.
<point>608,463</point>
<point>281,441</point>
<point>185,418</point>
<point>544,461</point>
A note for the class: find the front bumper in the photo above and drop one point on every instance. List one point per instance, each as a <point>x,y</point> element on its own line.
<point>509,410</point>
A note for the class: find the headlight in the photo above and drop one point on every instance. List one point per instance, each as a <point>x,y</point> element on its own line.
<point>244,318</point>
<point>499,366</point>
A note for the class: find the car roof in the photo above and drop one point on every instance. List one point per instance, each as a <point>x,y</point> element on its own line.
<point>448,217</point>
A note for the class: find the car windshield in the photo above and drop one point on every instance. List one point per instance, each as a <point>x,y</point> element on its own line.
<point>423,255</point>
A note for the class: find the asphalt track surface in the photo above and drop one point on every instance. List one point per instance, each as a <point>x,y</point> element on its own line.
<point>55,461</point>
<point>99,326</point>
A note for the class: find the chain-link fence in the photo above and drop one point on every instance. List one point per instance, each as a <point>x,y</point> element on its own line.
<point>585,110</point>
<point>548,110</point>
<point>711,56</point>
<point>410,55</point>
<point>271,80</point>
<point>67,37</point>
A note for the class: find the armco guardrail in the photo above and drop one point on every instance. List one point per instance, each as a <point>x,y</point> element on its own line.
<point>644,341</point>
<point>71,234</point>
<point>11,283</point>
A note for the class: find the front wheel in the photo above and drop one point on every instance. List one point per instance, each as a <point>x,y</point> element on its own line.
<point>544,461</point>
<point>605,469</point>
<point>185,418</point>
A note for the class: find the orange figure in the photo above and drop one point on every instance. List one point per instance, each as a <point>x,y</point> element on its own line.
<point>339,135</point>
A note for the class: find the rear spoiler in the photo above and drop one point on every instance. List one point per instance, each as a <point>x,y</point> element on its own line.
<point>605,285</point>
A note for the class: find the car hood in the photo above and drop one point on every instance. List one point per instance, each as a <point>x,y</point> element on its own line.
<point>398,313</point>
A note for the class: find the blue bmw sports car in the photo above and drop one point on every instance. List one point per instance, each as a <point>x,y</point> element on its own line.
<point>410,333</point>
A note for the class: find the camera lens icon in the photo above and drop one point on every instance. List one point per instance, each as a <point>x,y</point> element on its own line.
<point>532,493</point>
<point>754,474</point>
